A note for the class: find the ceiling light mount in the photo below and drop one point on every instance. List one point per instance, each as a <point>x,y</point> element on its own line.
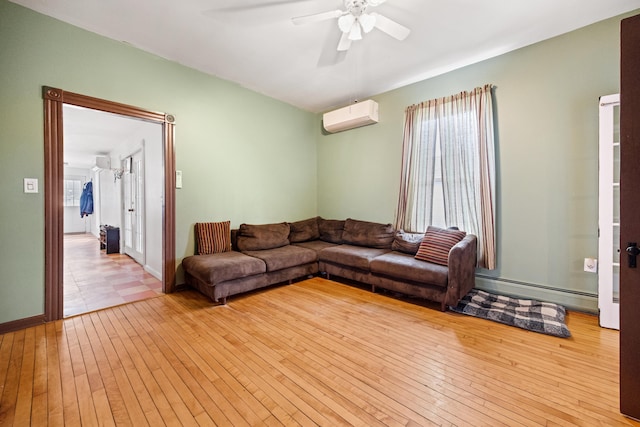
<point>355,20</point>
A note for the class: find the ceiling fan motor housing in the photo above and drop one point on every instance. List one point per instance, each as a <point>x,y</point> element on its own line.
<point>356,7</point>
<point>355,20</point>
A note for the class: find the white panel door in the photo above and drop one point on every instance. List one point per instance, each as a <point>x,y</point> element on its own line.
<point>609,213</point>
<point>133,200</point>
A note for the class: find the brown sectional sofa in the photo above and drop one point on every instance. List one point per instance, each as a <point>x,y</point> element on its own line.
<point>366,252</point>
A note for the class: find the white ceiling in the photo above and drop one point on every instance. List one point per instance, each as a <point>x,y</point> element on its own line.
<point>255,44</point>
<point>89,133</point>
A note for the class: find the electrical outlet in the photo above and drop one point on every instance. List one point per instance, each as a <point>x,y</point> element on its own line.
<point>591,265</point>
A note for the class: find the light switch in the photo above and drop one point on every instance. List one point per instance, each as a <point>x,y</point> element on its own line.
<point>178,179</point>
<point>31,185</point>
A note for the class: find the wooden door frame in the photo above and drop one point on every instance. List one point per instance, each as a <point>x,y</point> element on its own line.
<point>53,189</point>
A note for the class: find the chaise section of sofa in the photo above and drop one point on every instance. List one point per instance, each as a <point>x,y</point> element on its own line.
<point>220,275</point>
<point>261,256</point>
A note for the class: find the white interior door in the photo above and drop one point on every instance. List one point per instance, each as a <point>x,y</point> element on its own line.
<point>133,201</point>
<point>609,213</point>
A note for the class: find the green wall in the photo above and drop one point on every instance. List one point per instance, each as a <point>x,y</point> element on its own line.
<point>249,158</point>
<point>244,156</point>
<point>546,100</point>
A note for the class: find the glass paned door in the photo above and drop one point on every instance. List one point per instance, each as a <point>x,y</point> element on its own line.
<point>133,200</point>
<point>609,212</point>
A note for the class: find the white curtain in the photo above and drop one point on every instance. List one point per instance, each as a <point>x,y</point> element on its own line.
<point>418,165</point>
<point>462,126</point>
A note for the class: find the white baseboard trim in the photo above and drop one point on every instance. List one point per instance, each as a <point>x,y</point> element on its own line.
<point>572,300</point>
<point>153,272</point>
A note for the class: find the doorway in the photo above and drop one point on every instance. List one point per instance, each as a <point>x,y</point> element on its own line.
<point>105,236</point>
<point>54,100</point>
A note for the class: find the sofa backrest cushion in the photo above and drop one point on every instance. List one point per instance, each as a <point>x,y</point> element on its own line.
<point>212,237</point>
<point>370,234</point>
<point>331,230</point>
<point>409,243</point>
<point>437,243</point>
<point>303,231</point>
<point>263,236</point>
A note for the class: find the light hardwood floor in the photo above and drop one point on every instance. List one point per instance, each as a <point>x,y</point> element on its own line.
<point>313,353</point>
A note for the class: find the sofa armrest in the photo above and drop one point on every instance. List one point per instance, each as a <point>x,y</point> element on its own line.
<point>462,269</point>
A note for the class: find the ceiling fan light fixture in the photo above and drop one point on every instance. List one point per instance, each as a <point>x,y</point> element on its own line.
<point>354,20</point>
<point>355,33</point>
<point>367,22</point>
<point>345,23</point>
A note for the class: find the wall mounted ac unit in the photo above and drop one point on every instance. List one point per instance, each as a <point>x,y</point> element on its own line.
<point>355,115</point>
<point>103,162</point>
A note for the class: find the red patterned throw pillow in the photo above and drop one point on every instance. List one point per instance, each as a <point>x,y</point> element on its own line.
<point>437,243</point>
<point>213,237</point>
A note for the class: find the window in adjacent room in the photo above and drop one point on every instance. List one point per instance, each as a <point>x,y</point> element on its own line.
<point>72,192</point>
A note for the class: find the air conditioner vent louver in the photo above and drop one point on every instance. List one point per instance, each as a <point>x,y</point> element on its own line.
<point>350,117</point>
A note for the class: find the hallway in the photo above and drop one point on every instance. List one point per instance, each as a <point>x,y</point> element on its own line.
<point>94,280</point>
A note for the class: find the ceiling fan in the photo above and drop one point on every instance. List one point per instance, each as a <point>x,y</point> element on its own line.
<point>355,20</point>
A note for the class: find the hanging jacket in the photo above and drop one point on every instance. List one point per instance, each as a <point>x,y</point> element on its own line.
<point>86,200</point>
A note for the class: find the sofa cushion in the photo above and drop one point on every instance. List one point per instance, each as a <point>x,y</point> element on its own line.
<point>331,230</point>
<point>351,256</point>
<point>404,266</point>
<point>220,267</point>
<point>409,243</point>
<point>437,243</point>
<point>212,237</point>
<point>263,236</point>
<point>315,245</point>
<point>284,257</point>
<point>302,231</point>
<point>370,234</point>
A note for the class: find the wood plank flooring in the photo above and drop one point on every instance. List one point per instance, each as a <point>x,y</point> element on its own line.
<point>313,353</point>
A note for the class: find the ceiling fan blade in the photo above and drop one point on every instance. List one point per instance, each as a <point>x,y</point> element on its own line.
<point>232,6</point>
<point>390,27</point>
<point>308,19</point>
<point>251,12</point>
<point>345,42</point>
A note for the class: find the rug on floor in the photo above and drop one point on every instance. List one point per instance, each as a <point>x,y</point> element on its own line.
<point>544,317</point>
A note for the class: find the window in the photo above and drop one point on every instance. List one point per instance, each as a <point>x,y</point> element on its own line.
<point>437,200</point>
<point>72,192</point>
<point>448,168</point>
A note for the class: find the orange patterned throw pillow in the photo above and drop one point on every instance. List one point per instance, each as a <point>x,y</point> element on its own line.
<point>213,237</point>
<point>437,243</point>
